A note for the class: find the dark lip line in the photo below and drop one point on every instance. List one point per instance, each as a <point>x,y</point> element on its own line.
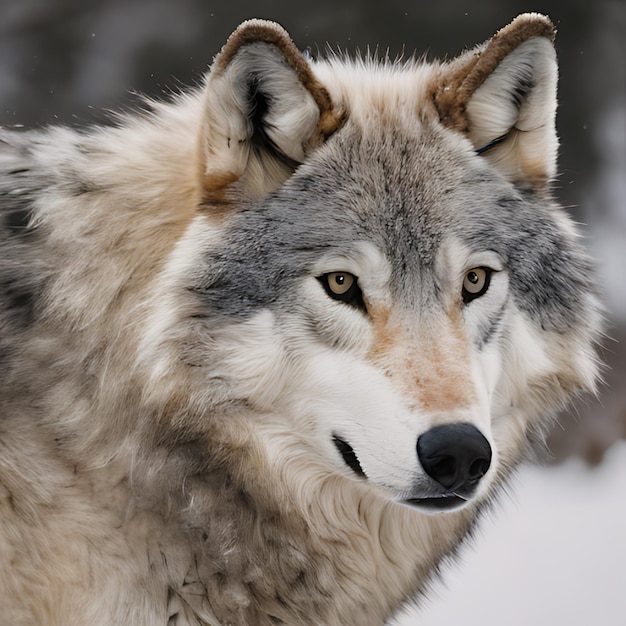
<point>442,502</point>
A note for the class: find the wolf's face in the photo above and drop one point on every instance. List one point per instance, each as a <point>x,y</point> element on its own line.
<point>403,305</point>
<point>379,305</point>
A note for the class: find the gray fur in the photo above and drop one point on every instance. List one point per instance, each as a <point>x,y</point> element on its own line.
<point>404,194</point>
<point>173,374</point>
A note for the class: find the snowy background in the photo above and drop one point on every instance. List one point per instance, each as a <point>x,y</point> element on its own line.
<point>553,555</point>
<point>556,552</point>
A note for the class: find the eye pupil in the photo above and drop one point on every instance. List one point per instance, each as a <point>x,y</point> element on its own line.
<point>473,277</point>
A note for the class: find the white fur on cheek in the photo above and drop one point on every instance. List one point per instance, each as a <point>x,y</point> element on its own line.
<point>252,357</point>
<point>355,401</point>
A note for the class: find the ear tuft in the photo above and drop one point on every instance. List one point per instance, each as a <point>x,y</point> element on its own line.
<point>502,95</point>
<point>264,111</point>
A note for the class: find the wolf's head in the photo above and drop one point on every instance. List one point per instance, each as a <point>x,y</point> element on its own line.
<point>379,278</point>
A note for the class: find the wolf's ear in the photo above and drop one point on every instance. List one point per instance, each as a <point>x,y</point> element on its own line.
<point>502,95</point>
<point>264,110</point>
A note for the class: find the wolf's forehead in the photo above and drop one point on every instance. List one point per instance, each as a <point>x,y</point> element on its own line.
<point>403,187</point>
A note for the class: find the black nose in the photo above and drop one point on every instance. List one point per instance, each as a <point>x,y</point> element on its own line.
<point>457,456</point>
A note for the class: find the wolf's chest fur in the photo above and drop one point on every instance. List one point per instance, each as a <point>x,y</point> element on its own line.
<point>267,350</point>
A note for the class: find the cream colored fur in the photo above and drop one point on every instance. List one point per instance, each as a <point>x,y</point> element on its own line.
<point>100,521</point>
<point>533,144</point>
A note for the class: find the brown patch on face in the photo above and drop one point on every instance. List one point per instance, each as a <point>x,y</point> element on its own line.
<point>429,364</point>
<point>385,336</point>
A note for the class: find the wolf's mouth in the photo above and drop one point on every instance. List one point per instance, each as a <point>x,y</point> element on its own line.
<point>439,503</point>
<point>349,456</point>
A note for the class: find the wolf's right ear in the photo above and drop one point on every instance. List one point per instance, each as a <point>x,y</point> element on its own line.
<point>502,96</point>
<point>264,110</point>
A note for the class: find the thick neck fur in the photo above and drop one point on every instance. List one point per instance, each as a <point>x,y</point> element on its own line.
<point>334,549</point>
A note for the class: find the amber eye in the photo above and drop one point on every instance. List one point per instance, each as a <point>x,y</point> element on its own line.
<point>343,286</point>
<point>476,283</point>
<point>340,282</point>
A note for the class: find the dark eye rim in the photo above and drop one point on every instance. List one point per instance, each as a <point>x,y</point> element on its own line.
<point>467,295</point>
<point>352,297</point>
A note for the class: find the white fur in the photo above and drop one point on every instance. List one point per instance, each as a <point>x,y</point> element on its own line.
<point>160,463</point>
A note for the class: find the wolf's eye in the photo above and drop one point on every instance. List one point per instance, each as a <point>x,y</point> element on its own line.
<point>340,282</point>
<point>343,286</point>
<point>476,283</point>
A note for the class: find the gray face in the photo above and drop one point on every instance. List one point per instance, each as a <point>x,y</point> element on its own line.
<point>405,191</point>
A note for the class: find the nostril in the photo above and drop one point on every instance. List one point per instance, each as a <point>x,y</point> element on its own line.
<point>457,456</point>
<point>445,469</point>
<point>478,468</point>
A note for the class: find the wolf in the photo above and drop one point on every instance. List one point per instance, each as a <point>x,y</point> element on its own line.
<point>270,348</point>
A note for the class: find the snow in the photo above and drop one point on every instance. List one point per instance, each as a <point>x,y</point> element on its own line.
<point>554,554</point>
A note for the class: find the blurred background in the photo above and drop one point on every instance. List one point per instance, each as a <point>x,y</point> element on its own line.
<point>68,61</point>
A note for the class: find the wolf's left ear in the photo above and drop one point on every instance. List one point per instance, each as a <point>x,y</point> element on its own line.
<point>502,95</point>
<point>264,110</point>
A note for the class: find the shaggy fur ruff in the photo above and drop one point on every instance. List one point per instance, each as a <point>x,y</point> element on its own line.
<point>175,377</point>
